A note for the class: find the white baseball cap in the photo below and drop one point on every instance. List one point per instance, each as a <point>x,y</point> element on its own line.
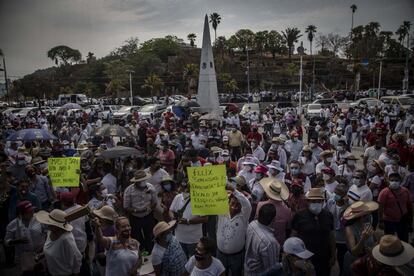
<point>296,247</point>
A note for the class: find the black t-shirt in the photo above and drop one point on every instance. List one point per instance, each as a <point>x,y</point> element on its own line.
<point>314,231</point>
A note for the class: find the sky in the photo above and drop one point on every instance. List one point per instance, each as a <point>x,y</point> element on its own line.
<point>29,28</point>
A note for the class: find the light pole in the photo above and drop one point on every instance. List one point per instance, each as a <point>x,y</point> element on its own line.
<point>379,78</point>
<point>130,86</point>
<point>5,77</point>
<point>248,71</point>
<point>300,51</point>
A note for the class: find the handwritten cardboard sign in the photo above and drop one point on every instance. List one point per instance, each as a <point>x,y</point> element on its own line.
<point>64,171</point>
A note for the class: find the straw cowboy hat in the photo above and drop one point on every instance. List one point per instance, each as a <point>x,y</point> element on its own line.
<point>275,189</point>
<point>240,180</point>
<point>326,153</point>
<point>216,149</point>
<point>37,161</point>
<point>249,161</point>
<point>351,157</point>
<point>359,209</point>
<point>162,226</point>
<point>315,194</point>
<point>391,251</point>
<point>82,147</point>
<point>398,136</point>
<point>381,164</point>
<point>306,148</point>
<point>167,178</point>
<point>140,175</point>
<point>56,218</point>
<point>106,212</point>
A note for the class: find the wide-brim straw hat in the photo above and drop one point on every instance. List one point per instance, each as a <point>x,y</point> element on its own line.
<point>315,194</point>
<point>37,161</point>
<point>82,147</point>
<point>275,189</point>
<point>140,175</point>
<point>106,212</point>
<point>359,209</point>
<point>240,180</point>
<point>56,218</point>
<point>163,226</point>
<point>167,178</point>
<point>326,152</point>
<point>381,164</point>
<point>351,157</point>
<point>398,136</point>
<point>392,251</point>
<point>307,148</point>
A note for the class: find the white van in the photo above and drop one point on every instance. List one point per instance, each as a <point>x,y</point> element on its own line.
<point>80,99</point>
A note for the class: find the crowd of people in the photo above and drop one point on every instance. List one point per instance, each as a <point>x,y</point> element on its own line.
<point>301,199</point>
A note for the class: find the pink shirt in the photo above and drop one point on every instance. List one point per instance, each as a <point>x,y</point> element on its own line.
<point>391,211</point>
<point>282,220</point>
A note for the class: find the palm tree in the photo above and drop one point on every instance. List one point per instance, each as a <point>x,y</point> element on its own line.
<point>153,83</point>
<point>407,26</point>
<point>311,30</point>
<point>215,20</point>
<point>192,38</point>
<point>291,36</point>
<point>353,9</point>
<point>190,74</point>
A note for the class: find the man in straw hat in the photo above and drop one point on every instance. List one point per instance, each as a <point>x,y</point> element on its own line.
<point>396,211</point>
<point>327,161</point>
<point>231,232</point>
<point>314,226</point>
<point>277,194</point>
<point>167,256</point>
<point>62,255</point>
<point>140,200</point>
<point>388,258</point>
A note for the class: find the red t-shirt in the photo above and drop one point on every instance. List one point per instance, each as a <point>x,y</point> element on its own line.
<point>388,200</point>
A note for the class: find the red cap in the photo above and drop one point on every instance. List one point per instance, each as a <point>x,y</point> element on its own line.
<point>261,169</point>
<point>24,207</point>
<point>328,170</point>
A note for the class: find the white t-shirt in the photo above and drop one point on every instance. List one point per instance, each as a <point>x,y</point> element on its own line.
<point>373,154</point>
<point>156,178</point>
<point>184,233</point>
<point>215,269</point>
<point>157,254</point>
<point>109,181</point>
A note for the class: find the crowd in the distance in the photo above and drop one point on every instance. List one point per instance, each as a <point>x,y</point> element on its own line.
<point>302,200</point>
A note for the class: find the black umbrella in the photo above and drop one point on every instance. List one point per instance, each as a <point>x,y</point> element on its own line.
<point>187,103</point>
<point>120,151</point>
<point>31,134</point>
<point>112,130</point>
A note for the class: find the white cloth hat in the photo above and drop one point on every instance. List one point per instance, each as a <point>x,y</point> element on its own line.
<point>296,247</point>
<point>275,165</point>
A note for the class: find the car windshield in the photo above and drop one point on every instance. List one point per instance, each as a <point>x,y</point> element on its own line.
<point>147,108</point>
<point>406,101</point>
<point>370,102</point>
<point>125,109</point>
<point>314,106</point>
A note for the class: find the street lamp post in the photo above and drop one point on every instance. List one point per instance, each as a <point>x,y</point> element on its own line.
<point>5,77</point>
<point>248,71</point>
<point>130,86</point>
<point>379,79</point>
<point>300,51</point>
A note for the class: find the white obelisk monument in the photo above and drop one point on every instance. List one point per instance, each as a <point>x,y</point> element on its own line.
<point>207,96</point>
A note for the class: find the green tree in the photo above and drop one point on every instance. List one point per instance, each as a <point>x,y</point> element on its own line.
<point>90,58</point>
<point>335,43</point>
<point>275,43</point>
<point>215,20</point>
<point>191,37</point>
<point>311,30</point>
<point>116,72</point>
<point>190,75</point>
<point>220,44</point>
<point>64,55</point>
<point>260,41</point>
<point>244,39</point>
<point>229,83</point>
<point>128,49</point>
<point>162,47</point>
<point>291,36</point>
<point>154,84</point>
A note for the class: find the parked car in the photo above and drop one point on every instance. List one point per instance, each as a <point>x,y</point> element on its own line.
<point>324,102</point>
<point>106,109</point>
<point>404,102</point>
<point>370,103</point>
<point>149,110</point>
<point>124,114</point>
<point>313,111</point>
<point>250,107</point>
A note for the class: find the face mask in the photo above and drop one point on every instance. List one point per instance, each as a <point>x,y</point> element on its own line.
<point>315,208</point>
<point>167,187</point>
<point>337,197</point>
<point>294,171</point>
<point>356,181</point>
<point>394,185</point>
<point>226,158</point>
<point>351,162</point>
<point>258,176</point>
<point>295,139</point>
<point>329,159</point>
<point>104,192</point>
<point>311,145</point>
<point>247,168</point>
<point>326,177</point>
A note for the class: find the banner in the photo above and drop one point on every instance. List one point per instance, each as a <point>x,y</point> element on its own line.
<point>208,190</point>
<point>64,171</point>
